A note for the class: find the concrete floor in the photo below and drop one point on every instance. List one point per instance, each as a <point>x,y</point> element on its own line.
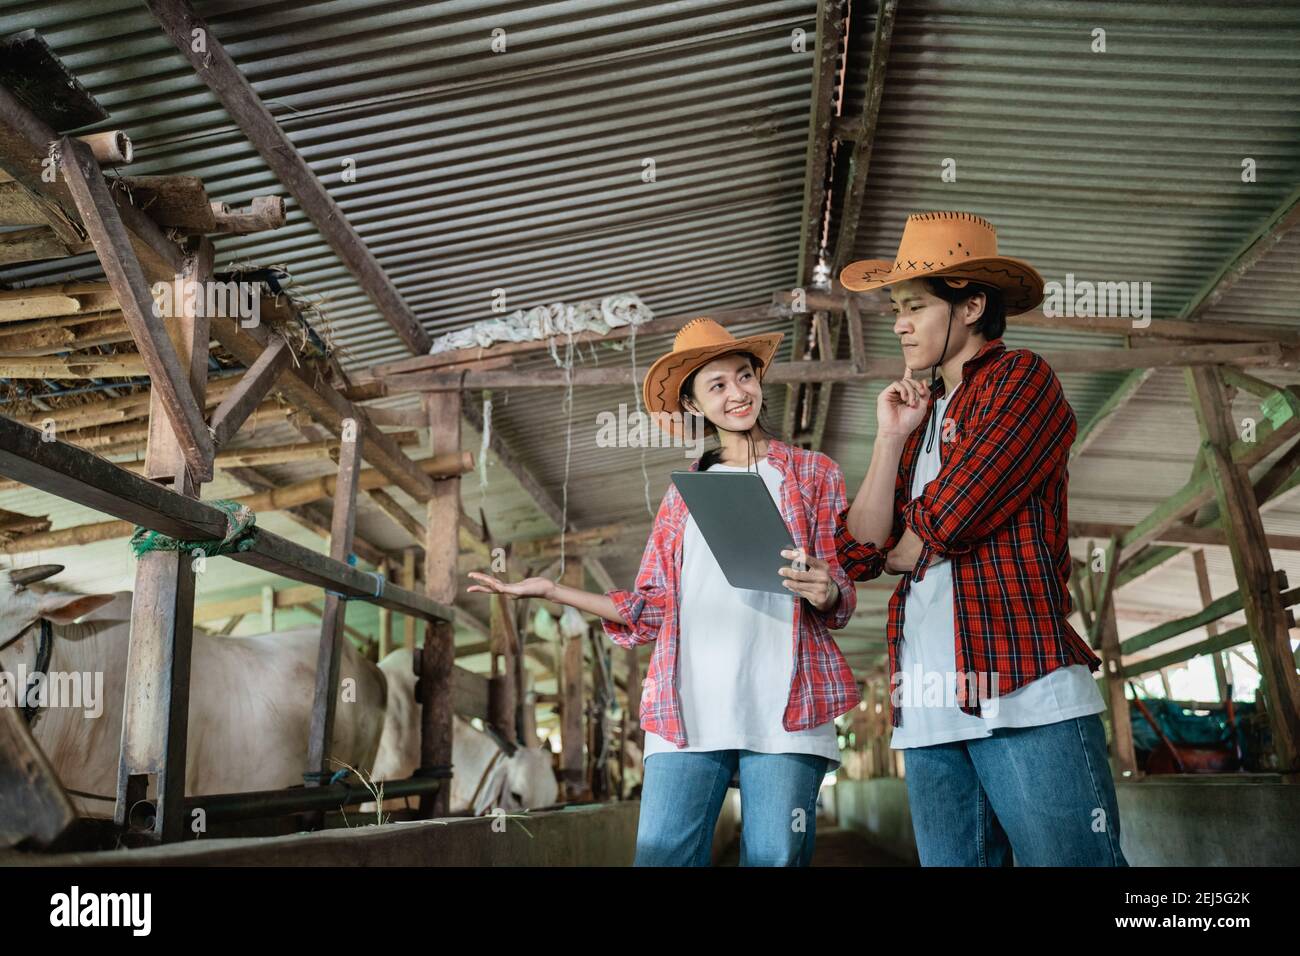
<point>835,846</point>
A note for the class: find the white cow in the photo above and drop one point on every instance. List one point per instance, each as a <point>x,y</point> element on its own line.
<point>485,776</point>
<point>250,701</point>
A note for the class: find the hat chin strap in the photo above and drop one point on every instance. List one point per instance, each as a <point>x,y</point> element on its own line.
<point>934,380</point>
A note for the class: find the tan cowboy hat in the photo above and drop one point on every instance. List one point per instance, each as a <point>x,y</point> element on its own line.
<point>954,246</point>
<point>699,342</point>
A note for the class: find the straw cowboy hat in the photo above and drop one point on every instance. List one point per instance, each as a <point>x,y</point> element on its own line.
<point>958,247</point>
<point>699,342</point>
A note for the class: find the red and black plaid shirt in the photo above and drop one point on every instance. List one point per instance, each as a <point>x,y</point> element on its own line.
<point>822,686</point>
<point>997,511</point>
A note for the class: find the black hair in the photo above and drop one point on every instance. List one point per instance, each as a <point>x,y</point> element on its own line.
<point>714,455</point>
<point>993,322</point>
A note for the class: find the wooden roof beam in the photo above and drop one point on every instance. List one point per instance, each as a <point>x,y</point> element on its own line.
<point>218,71</point>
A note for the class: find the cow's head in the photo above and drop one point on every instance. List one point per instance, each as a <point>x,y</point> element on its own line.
<point>530,780</point>
<point>524,780</point>
<point>21,606</point>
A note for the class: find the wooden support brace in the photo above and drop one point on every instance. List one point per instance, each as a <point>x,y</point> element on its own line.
<point>167,375</point>
<point>1265,614</point>
<point>332,620</point>
<point>248,394</point>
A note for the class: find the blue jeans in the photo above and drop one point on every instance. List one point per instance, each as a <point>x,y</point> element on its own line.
<point>1043,792</point>
<point>682,793</point>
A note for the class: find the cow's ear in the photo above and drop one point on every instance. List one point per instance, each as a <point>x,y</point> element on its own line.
<point>66,608</point>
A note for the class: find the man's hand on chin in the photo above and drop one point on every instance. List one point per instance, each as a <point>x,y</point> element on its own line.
<point>903,557</point>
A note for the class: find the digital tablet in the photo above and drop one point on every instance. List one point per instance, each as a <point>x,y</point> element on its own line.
<point>742,525</point>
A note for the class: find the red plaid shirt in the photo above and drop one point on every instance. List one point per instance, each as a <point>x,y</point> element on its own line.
<point>997,511</point>
<point>823,687</point>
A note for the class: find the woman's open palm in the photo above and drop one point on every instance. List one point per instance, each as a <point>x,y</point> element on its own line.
<point>528,587</point>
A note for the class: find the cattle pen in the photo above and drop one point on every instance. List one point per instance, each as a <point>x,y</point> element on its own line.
<point>306,315</point>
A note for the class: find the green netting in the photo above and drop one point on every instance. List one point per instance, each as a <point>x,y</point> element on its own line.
<point>240,535</point>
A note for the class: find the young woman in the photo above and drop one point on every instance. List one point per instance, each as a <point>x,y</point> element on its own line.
<point>741,684</point>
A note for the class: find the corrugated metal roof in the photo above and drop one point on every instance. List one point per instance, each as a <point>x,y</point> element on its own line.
<point>523,171</point>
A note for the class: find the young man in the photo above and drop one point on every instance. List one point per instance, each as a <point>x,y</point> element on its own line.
<point>992,694</point>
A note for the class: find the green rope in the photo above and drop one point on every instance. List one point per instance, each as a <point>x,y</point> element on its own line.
<point>240,534</point>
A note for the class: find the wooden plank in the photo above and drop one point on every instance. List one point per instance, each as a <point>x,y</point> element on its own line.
<point>324,701</point>
<point>174,202</point>
<point>31,245</point>
<point>155,719</point>
<point>1265,614</point>
<point>1221,667</point>
<point>572,704</point>
<point>408,581</point>
<point>442,522</point>
<point>39,78</point>
<point>62,469</point>
<point>81,477</point>
<point>34,810</point>
<point>306,387</point>
<point>504,697</point>
<point>214,66</point>
<point>1274,228</point>
<point>127,365</point>
<point>1223,641</point>
<point>165,453</point>
<point>1206,617</point>
<point>24,146</point>
<point>1179,533</point>
<point>1123,753</point>
<point>1063,362</point>
<point>280,556</point>
<point>274,499</point>
<point>1201,490</point>
<point>250,391</point>
<point>168,377</point>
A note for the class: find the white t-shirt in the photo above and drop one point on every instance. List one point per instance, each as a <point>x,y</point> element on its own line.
<point>735,658</point>
<point>926,691</point>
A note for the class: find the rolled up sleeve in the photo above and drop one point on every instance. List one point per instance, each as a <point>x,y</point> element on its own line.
<point>832,503</point>
<point>643,608</point>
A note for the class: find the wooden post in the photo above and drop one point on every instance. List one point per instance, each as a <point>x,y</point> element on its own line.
<point>441,549</point>
<point>1265,615</point>
<point>572,734</point>
<point>36,810</point>
<point>166,361</point>
<point>502,690</point>
<point>1106,640</point>
<point>268,608</point>
<point>385,617</point>
<point>342,527</point>
<point>157,700</point>
<point>1222,668</point>
<point>632,717</point>
<point>408,582</point>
